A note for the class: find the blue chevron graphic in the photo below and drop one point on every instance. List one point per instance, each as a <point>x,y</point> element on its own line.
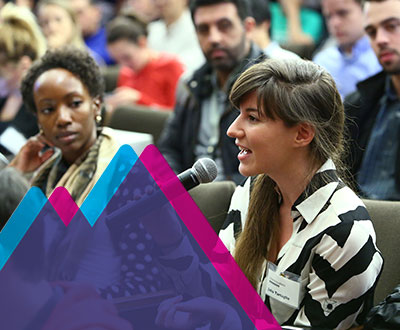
<point>92,207</point>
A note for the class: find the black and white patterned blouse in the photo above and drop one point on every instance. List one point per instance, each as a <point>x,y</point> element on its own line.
<point>332,249</point>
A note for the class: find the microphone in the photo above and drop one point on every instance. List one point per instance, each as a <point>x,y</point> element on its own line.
<point>203,171</point>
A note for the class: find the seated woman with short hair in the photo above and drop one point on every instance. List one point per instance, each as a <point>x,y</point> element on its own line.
<point>64,89</point>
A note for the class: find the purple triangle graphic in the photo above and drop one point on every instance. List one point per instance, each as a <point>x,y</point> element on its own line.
<point>139,270</point>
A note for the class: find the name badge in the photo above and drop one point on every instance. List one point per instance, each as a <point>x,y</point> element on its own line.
<point>283,286</point>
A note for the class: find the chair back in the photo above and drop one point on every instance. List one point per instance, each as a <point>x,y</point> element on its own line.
<point>213,199</point>
<point>110,76</point>
<point>139,119</point>
<point>385,216</point>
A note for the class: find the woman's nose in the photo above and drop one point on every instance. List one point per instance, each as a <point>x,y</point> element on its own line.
<point>63,116</point>
<point>234,130</point>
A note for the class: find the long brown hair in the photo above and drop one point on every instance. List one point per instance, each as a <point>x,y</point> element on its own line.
<point>296,91</point>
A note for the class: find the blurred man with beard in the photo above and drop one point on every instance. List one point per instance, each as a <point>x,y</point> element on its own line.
<point>374,109</point>
<point>203,113</point>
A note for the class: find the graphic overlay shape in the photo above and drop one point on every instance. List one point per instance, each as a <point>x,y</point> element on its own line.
<point>145,255</point>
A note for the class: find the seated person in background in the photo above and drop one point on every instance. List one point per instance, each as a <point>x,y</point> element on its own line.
<point>21,43</point>
<point>294,221</point>
<point>373,110</point>
<point>174,33</point>
<point>146,76</point>
<point>60,27</point>
<point>89,16</point>
<point>304,23</point>
<point>262,31</point>
<point>352,58</point>
<point>65,90</point>
<point>203,113</point>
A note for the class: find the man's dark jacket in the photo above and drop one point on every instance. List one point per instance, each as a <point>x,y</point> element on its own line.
<point>361,109</point>
<point>180,135</point>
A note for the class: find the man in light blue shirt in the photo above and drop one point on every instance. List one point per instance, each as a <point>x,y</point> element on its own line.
<point>351,59</point>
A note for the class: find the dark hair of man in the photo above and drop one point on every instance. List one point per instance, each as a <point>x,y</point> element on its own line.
<point>72,59</point>
<point>242,6</point>
<point>127,26</point>
<point>28,258</point>
<point>260,11</point>
<point>13,187</point>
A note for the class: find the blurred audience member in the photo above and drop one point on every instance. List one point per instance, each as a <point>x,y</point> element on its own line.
<point>175,33</point>
<point>13,187</point>
<point>89,16</point>
<point>203,113</point>
<point>146,8</point>
<point>21,43</point>
<point>146,76</point>
<point>59,25</point>
<point>262,31</point>
<point>373,110</point>
<point>352,58</point>
<point>304,23</point>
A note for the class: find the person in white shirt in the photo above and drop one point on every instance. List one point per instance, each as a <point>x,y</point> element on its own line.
<point>175,33</point>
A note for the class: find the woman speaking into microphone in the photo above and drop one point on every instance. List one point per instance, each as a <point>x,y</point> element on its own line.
<point>301,236</point>
<point>299,221</point>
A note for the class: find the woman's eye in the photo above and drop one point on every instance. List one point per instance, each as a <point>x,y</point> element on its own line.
<point>252,118</point>
<point>76,104</point>
<point>46,111</point>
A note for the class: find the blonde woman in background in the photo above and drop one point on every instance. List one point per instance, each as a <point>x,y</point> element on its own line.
<point>59,25</point>
<point>21,43</point>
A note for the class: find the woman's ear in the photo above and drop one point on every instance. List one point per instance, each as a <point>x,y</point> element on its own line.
<point>96,106</point>
<point>305,134</point>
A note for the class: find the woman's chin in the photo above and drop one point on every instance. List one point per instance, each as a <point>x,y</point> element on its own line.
<point>246,170</point>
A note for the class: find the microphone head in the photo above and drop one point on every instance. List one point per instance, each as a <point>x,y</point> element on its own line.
<point>206,170</point>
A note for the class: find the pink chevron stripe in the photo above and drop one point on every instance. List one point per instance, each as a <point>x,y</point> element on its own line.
<point>212,246</point>
<point>64,205</point>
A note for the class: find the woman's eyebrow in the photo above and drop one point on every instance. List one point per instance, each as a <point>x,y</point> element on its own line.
<point>251,110</point>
